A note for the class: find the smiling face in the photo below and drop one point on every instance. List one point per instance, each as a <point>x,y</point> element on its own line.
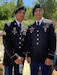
<point>38,13</point>
<point>20,15</point>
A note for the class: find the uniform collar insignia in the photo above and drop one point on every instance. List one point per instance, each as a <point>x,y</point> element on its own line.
<point>15,24</point>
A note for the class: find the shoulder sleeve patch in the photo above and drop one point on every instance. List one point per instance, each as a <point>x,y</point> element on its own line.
<point>8,24</point>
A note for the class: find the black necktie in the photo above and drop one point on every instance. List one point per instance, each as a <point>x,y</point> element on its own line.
<point>37,26</point>
<point>37,23</point>
<point>20,29</point>
<point>20,24</point>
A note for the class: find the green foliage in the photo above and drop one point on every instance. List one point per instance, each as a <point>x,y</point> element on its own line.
<point>55,15</point>
<point>28,14</point>
<point>49,8</point>
<point>11,7</point>
<point>2,23</point>
<point>6,10</point>
<point>28,22</point>
<point>4,13</point>
<point>20,3</point>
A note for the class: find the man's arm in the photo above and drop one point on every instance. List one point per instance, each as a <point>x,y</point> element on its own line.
<point>9,49</point>
<point>52,43</point>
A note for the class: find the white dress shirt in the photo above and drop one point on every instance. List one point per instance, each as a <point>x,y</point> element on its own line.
<point>40,21</point>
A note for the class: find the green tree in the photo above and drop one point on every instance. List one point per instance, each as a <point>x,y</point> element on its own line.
<point>29,13</point>
<point>7,10</point>
<point>49,8</point>
<point>4,12</point>
<point>11,7</point>
<point>20,3</point>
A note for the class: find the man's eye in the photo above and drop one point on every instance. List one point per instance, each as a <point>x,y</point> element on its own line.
<point>23,13</point>
<point>35,10</point>
<point>40,10</point>
<point>20,11</point>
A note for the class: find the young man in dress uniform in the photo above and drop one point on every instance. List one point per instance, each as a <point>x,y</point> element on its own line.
<point>40,42</point>
<point>13,37</point>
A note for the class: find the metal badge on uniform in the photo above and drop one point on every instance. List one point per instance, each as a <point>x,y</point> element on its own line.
<point>24,32</point>
<point>14,31</point>
<point>31,29</point>
<point>45,28</point>
<point>15,23</point>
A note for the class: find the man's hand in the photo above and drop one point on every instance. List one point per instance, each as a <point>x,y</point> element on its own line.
<point>19,60</point>
<point>48,62</point>
<point>29,60</point>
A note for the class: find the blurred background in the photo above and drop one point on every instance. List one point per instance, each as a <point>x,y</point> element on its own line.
<point>7,8</point>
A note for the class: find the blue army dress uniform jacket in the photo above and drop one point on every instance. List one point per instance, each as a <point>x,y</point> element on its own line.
<point>13,42</point>
<point>40,41</point>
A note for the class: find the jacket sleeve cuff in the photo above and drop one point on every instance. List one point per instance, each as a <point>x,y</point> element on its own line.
<point>50,56</point>
<point>14,57</point>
